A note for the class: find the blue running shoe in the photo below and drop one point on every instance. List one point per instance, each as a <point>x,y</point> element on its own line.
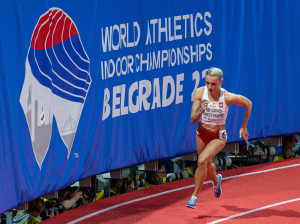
<point>192,202</point>
<point>217,188</point>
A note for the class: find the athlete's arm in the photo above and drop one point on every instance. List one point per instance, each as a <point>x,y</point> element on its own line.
<point>197,107</point>
<point>241,101</point>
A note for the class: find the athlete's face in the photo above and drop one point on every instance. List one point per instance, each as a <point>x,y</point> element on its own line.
<point>213,83</point>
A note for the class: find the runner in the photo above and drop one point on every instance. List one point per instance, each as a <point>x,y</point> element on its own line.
<point>210,106</point>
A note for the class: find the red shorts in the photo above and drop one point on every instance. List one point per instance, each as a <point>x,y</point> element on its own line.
<point>209,136</point>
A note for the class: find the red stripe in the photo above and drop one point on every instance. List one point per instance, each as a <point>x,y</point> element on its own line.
<point>54,19</point>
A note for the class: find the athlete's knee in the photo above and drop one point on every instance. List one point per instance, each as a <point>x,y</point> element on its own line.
<point>202,161</point>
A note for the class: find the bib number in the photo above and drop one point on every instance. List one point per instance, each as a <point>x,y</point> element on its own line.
<point>222,134</point>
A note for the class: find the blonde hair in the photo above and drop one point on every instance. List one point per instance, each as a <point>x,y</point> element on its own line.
<point>215,72</point>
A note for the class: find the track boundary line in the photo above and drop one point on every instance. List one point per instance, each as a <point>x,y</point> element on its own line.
<point>174,190</point>
<point>254,210</point>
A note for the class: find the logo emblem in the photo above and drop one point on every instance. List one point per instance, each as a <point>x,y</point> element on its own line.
<point>221,104</point>
<point>57,80</point>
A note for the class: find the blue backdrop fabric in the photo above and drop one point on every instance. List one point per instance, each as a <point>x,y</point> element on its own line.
<point>93,86</point>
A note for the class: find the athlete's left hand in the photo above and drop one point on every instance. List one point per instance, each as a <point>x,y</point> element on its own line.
<point>244,133</point>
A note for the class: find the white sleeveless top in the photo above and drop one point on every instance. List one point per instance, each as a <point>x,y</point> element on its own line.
<point>216,112</point>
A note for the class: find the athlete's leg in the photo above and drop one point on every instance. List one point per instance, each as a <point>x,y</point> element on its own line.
<point>212,172</point>
<point>211,167</point>
<point>199,175</point>
<point>205,164</point>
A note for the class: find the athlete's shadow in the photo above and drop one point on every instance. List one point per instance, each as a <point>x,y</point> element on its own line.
<point>263,213</point>
<point>212,212</point>
<point>209,216</point>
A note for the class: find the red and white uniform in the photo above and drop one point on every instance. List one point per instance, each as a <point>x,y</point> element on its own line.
<point>214,114</point>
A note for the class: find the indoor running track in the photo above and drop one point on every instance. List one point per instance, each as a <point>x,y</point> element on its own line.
<point>265,193</point>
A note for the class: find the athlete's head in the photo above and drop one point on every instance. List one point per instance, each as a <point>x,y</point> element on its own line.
<point>214,79</point>
<point>215,72</point>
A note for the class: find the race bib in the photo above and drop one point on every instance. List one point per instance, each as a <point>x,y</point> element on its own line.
<point>222,134</point>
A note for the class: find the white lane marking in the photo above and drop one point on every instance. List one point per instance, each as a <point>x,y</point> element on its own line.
<point>254,210</point>
<point>170,191</point>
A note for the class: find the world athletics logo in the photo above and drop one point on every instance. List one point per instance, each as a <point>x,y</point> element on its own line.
<point>57,80</point>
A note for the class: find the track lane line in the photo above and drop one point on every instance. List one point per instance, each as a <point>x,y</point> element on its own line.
<point>174,190</point>
<point>254,210</point>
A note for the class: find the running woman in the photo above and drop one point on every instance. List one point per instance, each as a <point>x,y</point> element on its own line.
<point>210,106</point>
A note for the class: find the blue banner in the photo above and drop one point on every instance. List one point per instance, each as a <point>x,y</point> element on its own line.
<point>93,86</point>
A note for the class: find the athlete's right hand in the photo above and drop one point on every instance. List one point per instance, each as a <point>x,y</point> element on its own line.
<point>204,105</point>
<point>244,133</point>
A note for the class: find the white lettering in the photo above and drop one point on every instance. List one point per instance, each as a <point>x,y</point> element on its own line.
<point>117,36</point>
<point>179,88</point>
<point>177,27</point>
<point>139,93</point>
<point>106,106</point>
<point>124,109</point>
<point>133,108</point>
<point>137,33</point>
<point>116,101</point>
<point>168,81</point>
<point>209,25</point>
<point>107,40</point>
<point>116,47</point>
<point>144,84</point>
<point>198,32</point>
<point>156,94</point>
